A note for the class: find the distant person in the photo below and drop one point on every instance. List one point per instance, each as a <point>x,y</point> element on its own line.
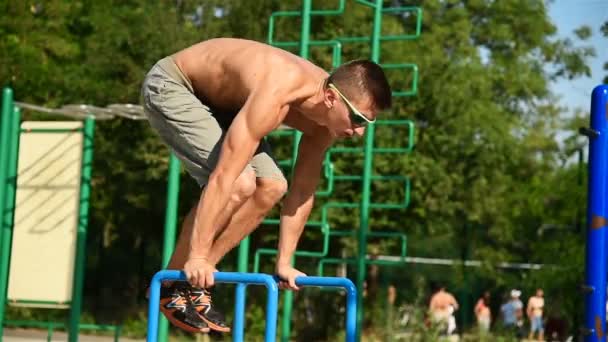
<point>442,308</point>
<point>483,312</point>
<point>534,311</point>
<point>512,313</point>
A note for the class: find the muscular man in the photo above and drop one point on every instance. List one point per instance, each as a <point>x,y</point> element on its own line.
<point>213,104</point>
<point>442,307</point>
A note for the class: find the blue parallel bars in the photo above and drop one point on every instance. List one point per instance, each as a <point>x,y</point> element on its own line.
<point>220,277</point>
<point>597,218</point>
<point>351,299</point>
<point>244,279</point>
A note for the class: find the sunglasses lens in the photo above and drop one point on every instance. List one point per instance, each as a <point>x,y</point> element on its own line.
<point>357,120</point>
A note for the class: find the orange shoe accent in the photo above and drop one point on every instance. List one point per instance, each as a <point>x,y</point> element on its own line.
<point>202,303</point>
<point>169,314</point>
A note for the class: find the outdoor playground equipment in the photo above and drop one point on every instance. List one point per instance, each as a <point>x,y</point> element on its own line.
<point>597,218</point>
<point>244,279</point>
<point>45,174</point>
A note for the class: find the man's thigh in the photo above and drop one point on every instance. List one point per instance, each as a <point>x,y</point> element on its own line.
<point>183,122</point>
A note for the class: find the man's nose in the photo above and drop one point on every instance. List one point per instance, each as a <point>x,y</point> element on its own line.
<point>359,131</point>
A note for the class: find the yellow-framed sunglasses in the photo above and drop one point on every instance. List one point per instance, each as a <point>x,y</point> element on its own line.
<point>355,115</point>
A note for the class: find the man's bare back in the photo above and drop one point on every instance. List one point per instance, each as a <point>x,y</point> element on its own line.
<point>225,71</point>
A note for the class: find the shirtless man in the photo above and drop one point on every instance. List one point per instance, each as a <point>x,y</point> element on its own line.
<point>213,104</point>
<point>442,308</point>
<point>534,310</point>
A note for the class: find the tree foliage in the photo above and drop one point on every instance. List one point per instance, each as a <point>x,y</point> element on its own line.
<point>489,179</point>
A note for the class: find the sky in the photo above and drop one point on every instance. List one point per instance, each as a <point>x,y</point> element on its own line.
<point>568,15</point>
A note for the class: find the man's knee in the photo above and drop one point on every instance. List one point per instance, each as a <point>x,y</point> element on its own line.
<point>244,187</point>
<point>269,190</point>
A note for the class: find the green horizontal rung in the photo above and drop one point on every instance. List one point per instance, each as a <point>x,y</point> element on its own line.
<point>274,15</point>
<point>405,180</point>
<point>405,9</point>
<point>410,136</point>
<point>389,10</point>
<point>285,163</point>
<point>366,3</point>
<point>270,251</point>
<point>330,205</point>
<point>348,178</point>
<point>406,200</point>
<point>414,84</point>
<point>336,48</point>
<point>346,149</point>
<point>282,132</point>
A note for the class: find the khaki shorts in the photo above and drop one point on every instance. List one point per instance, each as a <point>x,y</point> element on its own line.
<point>189,127</point>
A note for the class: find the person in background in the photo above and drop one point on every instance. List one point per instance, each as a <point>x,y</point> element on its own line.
<point>483,312</point>
<point>512,313</point>
<point>534,310</point>
<point>442,308</point>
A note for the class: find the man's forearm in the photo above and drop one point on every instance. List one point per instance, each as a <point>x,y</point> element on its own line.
<point>294,214</point>
<point>213,200</point>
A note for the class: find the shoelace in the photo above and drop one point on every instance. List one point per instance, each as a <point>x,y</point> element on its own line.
<point>206,293</point>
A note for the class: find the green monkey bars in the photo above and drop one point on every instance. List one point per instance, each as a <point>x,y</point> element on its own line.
<point>368,150</point>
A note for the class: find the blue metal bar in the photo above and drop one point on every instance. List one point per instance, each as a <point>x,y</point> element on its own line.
<point>238,330</point>
<point>597,218</point>
<point>351,299</point>
<point>220,277</point>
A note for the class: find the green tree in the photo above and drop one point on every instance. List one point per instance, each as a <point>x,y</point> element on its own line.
<point>486,154</point>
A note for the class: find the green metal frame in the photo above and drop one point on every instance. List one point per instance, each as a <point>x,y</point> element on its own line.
<point>10,129</point>
<point>368,149</point>
<point>170,229</point>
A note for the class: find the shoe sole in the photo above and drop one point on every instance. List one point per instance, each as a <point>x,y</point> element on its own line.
<point>214,326</point>
<point>168,313</point>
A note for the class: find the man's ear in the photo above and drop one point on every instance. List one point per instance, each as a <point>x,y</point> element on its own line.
<point>330,98</point>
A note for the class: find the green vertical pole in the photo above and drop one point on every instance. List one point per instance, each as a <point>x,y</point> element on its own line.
<point>5,231</point>
<point>81,234</point>
<point>243,261</point>
<point>367,177</point>
<point>304,53</point>
<point>170,229</point>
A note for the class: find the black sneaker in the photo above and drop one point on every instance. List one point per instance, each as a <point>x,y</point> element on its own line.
<point>202,303</point>
<point>176,304</point>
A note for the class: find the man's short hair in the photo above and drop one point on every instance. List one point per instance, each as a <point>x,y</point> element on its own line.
<point>363,77</point>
